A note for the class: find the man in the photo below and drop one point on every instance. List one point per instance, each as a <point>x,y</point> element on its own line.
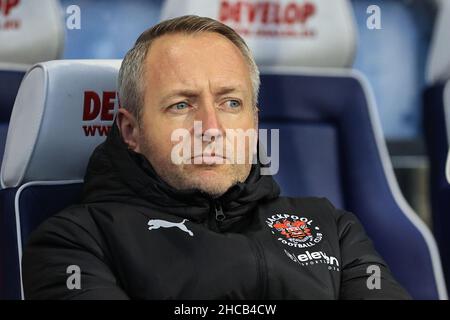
<point>158,224</point>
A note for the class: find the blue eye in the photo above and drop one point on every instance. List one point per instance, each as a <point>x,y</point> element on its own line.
<point>181,106</point>
<point>234,104</point>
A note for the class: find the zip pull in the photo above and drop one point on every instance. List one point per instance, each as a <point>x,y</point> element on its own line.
<point>220,216</point>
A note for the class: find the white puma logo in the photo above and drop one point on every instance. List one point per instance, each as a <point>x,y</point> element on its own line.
<point>158,223</point>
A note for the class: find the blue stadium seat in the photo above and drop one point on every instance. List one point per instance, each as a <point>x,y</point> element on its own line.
<point>436,114</point>
<point>21,211</point>
<point>331,145</point>
<point>10,78</point>
<point>57,121</point>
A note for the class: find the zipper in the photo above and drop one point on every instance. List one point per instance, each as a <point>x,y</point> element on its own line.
<point>220,216</point>
<point>217,215</point>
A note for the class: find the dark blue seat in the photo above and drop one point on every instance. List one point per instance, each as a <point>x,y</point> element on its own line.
<point>435,117</point>
<point>331,145</point>
<point>9,86</point>
<point>35,203</point>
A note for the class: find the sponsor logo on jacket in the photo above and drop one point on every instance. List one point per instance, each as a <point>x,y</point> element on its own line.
<point>313,258</point>
<point>159,223</point>
<point>294,231</point>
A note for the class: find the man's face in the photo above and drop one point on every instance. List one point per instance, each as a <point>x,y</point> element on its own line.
<point>202,77</point>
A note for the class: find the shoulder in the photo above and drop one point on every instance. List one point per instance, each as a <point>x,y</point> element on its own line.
<point>318,206</point>
<point>319,209</point>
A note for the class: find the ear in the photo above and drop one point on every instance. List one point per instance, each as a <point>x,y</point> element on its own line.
<point>129,129</point>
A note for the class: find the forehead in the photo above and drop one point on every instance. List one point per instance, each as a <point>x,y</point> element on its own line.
<point>194,59</point>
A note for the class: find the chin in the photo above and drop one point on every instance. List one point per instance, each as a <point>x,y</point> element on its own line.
<point>211,183</point>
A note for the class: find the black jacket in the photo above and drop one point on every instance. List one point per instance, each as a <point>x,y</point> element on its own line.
<point>133,236</point>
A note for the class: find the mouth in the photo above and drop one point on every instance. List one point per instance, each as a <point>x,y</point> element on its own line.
<point>210,159</point>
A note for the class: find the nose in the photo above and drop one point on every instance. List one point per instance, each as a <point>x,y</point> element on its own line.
<point>211,126</point>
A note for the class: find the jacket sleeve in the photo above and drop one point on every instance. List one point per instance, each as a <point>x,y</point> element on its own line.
<point>361,263</point>
<point>62,260</point>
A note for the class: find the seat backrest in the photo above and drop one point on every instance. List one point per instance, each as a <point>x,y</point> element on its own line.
<point>330,118</point>
<point>63,110</point>
<point>283,32</point>
<point>31,31</point>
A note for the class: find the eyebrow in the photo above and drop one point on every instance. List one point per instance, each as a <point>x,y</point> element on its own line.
<point>195,93</point>
<point>228,89</point>
<point>180,93</point>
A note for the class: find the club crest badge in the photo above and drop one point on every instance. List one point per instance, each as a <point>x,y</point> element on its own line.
<point>294,231</point>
